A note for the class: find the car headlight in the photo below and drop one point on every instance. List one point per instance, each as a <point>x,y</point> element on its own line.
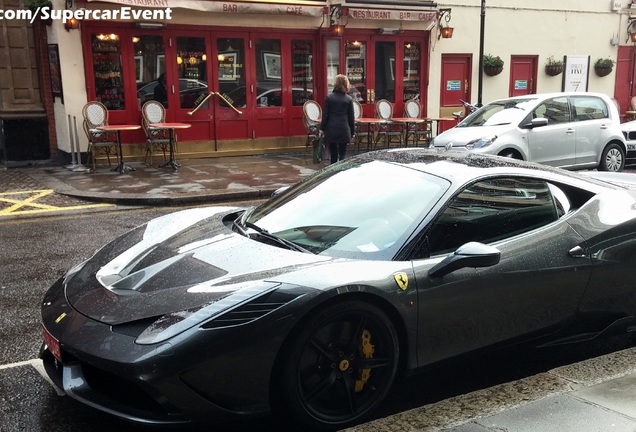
<point>481,142</point>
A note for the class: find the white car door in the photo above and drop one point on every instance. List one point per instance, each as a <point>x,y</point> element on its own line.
<point>555,143</point>
<point>593,130</point>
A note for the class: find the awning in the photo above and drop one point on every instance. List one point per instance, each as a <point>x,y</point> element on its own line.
<point>297,8</point>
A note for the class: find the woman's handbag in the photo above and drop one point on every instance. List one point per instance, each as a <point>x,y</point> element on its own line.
<point>318,146</point>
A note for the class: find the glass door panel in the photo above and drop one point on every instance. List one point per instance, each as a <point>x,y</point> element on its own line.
<point>268,94</point>
<point>233,86</point>
<point>385,71</point>
<point>192,84</point>
<point>150,68</point>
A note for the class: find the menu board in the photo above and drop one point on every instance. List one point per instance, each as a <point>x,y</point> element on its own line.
<point>411,71</point>
<point>109,86</point>
<point>355,61</point>
<point>302,72</point>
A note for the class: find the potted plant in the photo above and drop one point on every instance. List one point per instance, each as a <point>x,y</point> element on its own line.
<point>36,7</point>
<point>493,65</point>
<point>553,67</point>
<point>603,66</point>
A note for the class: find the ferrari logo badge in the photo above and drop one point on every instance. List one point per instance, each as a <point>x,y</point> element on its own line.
<point>402,280</point>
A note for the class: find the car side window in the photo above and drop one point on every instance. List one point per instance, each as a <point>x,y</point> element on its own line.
<point>492,210</point>
<point>556,110</point>
<point>589,108</point>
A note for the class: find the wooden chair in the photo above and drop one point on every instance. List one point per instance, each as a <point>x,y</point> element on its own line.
<point>156,139</point>
<point>96,114</point>
<point>388,131</point>
<point>415,131</point>
<point>361,130</point>
<point>312,116</point>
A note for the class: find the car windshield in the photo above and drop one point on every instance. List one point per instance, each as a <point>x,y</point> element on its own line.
<point>353,209</point>
<point>500,113</point>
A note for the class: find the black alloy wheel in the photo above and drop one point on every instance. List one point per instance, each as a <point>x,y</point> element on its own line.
<point>339,366</point>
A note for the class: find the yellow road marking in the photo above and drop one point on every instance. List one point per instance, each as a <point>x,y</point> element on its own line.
<point>17,205</point>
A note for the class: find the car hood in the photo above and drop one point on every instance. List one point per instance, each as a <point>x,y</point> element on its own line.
<point>460,136</point>
<point>629,126</point>
<point>174,263</point>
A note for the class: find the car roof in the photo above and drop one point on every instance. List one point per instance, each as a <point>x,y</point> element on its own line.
<point>463,167</point>
<point>543,96</point>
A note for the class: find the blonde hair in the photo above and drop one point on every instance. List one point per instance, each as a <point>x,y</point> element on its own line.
<point>341,83</point>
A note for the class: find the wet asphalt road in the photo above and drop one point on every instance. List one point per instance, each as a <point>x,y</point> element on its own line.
<point>38,250</point>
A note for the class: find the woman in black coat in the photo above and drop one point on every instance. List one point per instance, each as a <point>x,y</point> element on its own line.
<point>338,123</point>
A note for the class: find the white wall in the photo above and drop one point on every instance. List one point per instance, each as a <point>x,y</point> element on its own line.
<point>73,83</point>
<point>540,27</point>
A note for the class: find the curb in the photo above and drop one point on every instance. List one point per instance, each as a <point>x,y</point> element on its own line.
<point>211,196</point>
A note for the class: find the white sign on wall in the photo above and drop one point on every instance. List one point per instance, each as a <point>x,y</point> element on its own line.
<point>575,74</point>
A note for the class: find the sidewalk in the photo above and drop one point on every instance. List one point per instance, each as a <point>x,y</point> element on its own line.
<point>198,180</point>
<point>595,395</point>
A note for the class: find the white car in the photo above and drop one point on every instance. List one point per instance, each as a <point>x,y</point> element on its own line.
<point>567,130</point>
<point>629,132</point>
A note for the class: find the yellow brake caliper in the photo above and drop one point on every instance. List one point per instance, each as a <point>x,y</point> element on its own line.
<point>367,352</point>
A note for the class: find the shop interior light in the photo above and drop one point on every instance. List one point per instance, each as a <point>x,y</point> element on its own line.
<point>150,25</point>
<point>179,60</point>
<point>444,31</point>
<point>390,30</point>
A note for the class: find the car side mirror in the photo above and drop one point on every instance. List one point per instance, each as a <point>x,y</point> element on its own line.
<point>279,191</point>
<point>536,122</point>
<point>472,254</point>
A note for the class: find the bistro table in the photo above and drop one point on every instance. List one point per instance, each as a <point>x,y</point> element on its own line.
<point>171,127</point>
<point>439,119</point>
<point>409,123</point>
<point>370,122</point>
<point>121,167</point>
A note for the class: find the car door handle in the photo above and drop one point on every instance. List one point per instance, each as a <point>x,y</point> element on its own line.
<point>569,131</point>
<point>603,126</point>
<point>578,252</point>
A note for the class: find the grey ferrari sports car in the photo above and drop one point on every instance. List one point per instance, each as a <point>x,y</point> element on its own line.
<point>313,303</point>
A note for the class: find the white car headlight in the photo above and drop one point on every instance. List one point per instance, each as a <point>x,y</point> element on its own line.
<point>481,142</point>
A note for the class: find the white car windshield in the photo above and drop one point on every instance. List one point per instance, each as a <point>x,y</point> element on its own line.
<point>499,113</point>
<point>354,210</point>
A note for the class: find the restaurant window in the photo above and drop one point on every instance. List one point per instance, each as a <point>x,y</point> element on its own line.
<point>231,73</point>
<point>268,73</point>
<point>385,71</point>
<point>356,63</point>
<point>109,82</point>
<point>302,72</point>
<point>411,70</point>
<point>333,62</point>
<point>192,71</point>
<point>150,64</point>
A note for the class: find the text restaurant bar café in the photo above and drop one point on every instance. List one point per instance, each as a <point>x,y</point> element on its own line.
<point>260,62</point>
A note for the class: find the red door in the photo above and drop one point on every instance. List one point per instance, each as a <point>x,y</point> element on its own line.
<point>625,87</point>
<point>523,75</point>
<point>455,86</point>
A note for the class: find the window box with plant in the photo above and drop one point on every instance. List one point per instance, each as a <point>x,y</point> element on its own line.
<point>553,67</point>
<point>37,5</point>
<point>603,67</point>
<point>493,65</point>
